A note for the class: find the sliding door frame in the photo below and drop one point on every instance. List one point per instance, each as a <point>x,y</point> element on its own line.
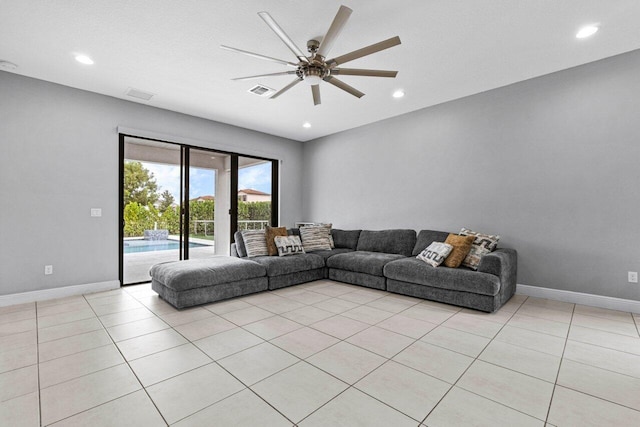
<point>184,194</point>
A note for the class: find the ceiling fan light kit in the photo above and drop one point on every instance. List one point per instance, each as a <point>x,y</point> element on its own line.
<point>314,69</point>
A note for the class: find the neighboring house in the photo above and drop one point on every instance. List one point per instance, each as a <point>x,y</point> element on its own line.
<point>246,195</point>
<point>251,195</point>
<point>202,199</point>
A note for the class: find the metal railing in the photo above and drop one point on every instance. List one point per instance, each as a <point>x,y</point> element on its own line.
<point>256,224</point>
<point>208,225</point>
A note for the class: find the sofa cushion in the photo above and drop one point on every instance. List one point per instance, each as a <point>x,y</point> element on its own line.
<point>427,237</point>
<point>293,232</point>
<point>327,254</point>
<point>239,241</point>
<point>198,273</point>
<point>345,238</point>
<point>278,266</point>
<point>362,261</point>
<point>400,242</point>
<point>412,270</point>
<point>270,235</point>
<point>461,247</point>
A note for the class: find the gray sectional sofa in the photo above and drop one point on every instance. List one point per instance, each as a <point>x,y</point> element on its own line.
<point>376,259</point>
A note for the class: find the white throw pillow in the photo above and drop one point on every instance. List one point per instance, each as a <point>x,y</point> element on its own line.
<point>435,253</point>
<point>288,245</point>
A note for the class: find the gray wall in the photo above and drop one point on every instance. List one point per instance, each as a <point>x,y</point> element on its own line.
<point>551,164</point>
<point>60,158</point>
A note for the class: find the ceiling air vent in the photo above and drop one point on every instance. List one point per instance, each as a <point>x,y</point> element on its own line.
<point>261,90</point>
<point>135,93</point>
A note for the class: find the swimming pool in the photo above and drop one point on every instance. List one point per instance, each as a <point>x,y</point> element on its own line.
<point>135,246</point>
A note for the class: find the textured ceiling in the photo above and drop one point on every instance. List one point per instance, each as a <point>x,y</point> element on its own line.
<point>450,49</point>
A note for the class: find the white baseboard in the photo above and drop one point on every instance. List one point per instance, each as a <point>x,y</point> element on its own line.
<point>66,291</point>
<point>580,298</point>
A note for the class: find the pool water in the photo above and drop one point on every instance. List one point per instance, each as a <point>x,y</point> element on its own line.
<point>135,246</point>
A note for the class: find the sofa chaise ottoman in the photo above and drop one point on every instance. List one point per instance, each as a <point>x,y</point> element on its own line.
<point>199,281</point>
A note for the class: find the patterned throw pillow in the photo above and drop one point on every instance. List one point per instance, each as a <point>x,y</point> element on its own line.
<point>482,245</point>
<point>255,243</point>
<point>435,253</point>
<point>270,233</point>
<point>461,247</point>
<point>315,238</point>
<point>288,245</point>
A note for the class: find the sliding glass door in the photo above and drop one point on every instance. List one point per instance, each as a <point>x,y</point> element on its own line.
<point>152,190</point>
<point>207,208</point>
<point>181,202</point>
<point>255,193</point>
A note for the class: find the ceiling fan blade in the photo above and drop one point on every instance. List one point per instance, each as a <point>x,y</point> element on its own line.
<point>342,85</point>
<point>283,36</point>
<point>334,30</point>
<point>283,73</point>
<point>359,72</point>
<point>286,88</point>
<point>315,91</point>
<point>376,47</point>
<point>257,55</point>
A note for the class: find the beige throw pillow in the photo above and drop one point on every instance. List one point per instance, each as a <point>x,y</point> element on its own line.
<point>461,247</point>
<point>270,234</point>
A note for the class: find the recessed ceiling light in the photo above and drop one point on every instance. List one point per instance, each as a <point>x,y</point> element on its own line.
<point>587,31</point>
<point>306,125</point>
<point>84,59</point>
<point>398,94</point>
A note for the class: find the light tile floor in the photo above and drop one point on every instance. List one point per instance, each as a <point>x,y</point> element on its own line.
<point>318,354</point>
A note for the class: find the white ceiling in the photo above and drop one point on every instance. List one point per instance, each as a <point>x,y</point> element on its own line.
<point>450,49</point>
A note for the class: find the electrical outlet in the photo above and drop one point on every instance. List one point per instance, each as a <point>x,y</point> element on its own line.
<point>633,277</point>
<point>96,212</point>
<point>48,269</point>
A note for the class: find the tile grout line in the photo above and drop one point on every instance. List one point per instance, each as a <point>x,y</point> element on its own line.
<point>555,384</point>
<point>369,326</point>
<point>130,369</point>
<point>38,366</point>
<point>468,367</point>
<point>213,361</point>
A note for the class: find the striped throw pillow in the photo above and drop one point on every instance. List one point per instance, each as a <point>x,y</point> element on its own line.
<point>315,238</point>
<point>255,243</point>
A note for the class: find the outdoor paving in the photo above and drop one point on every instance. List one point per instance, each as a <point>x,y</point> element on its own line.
<point>137,265</point>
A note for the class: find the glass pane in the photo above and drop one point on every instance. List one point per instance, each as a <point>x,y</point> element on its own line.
<point>208,203</point>
<point>151,207</point>
<point>254,193</point>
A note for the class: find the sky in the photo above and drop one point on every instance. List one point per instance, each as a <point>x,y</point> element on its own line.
<point>202,181</point>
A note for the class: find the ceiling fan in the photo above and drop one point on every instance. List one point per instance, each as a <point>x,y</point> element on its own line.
<point>315,68</point>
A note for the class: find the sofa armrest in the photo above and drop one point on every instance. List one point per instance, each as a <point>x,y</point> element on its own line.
<point>504,264</point>
<point>234,251</point>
